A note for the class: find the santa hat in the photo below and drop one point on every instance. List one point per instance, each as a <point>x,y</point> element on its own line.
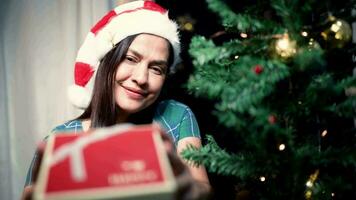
<point>125,20</point>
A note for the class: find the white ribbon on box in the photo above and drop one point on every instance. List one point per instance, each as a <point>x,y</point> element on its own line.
<point>74,150</point>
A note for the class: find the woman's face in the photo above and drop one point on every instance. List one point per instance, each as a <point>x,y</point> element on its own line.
<point>141,75</point>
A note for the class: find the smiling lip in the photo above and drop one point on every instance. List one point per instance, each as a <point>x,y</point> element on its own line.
<point>135,93</point>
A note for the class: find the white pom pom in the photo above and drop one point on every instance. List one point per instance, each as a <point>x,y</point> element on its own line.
<point>79,96</point>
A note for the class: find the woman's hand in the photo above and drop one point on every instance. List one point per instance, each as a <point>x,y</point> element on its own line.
<point>189,188</point>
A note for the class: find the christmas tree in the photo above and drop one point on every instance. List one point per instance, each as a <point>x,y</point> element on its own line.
<point>282,79</point>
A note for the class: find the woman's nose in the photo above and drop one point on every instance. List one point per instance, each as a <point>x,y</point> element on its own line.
<point>140,74</point>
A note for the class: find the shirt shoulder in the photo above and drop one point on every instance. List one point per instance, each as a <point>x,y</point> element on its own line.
<point>71,126</point>
<point>177,119</point>
<point>171,108</point>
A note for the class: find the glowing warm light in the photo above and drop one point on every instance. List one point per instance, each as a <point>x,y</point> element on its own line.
<point>283,43</point>
<point>323,134</point>
<point>243,35</point>
<point>236,57</point>
<point>332,194</point>
<point>309,184</point>
<point>262,179</point>
<point>336,26</point>
<point>304,33</point>
<point>311,41</point>
<point>285,47</point>
<point>281,147</point>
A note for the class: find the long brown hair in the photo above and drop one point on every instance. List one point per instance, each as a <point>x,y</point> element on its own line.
<point>103,110</point>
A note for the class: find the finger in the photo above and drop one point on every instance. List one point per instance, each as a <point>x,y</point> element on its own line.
<point>157,126</point>
<point>185,190</point>
<point>178,166</point>
<point>27,193</point>
<point>163,133</point>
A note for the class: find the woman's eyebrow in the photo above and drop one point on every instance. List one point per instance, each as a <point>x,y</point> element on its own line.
<point>159,62</point>
<point>136,53</point>
<point>154,62</point>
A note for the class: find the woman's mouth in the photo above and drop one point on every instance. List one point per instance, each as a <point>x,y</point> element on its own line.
<point>134,93</point>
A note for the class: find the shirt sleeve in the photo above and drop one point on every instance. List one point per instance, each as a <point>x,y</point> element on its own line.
<point>72,126</point>
<point>189,126</point>
<point>29,177</point>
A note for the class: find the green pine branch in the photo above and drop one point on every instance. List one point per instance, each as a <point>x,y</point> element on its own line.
<point>240,22</point>
<point>277,107</point>
<point>217,160</point>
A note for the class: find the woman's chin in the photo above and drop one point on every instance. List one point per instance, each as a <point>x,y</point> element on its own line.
<point>132,108</point>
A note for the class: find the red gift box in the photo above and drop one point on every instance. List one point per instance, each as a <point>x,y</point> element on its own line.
<point>120,162</point>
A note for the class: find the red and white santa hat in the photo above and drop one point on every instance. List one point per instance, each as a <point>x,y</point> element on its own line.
<point>125,20</point>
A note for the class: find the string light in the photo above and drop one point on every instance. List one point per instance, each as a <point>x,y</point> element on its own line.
<point>262,179</point>
<point>323,134</point>
<point>310,184</point>
<point>283,47</point>
<point>243,35</point>
<point>304,33</point>
<point>281,147</point>
<point>311,42</point>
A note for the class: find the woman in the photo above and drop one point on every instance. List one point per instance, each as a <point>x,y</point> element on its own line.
<point>134,47</point>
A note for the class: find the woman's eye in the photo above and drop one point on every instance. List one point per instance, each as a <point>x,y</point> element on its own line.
<point>157,70</point>
<point>131,59</point>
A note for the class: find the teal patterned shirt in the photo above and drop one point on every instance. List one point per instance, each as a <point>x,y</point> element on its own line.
<point>176,118</point>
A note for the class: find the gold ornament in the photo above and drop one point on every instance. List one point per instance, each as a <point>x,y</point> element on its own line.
<point>283,48</point>
<point>310,184</point>
<point>337,33</point>
<point>186,23</point>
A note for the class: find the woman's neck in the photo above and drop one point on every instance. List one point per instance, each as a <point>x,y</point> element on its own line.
<point>123,117</point>
<point>86,124</point>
